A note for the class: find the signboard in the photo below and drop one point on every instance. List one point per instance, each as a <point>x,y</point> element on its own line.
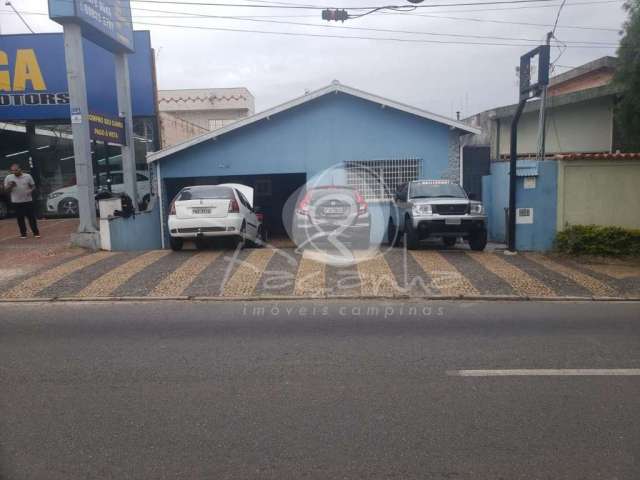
<point>535,60</point>
<point>107,23</point>
<point>106,129</point>
<point>33,80</point>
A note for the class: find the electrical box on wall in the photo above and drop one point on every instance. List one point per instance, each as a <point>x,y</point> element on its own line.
<point>529,183</point>
<point>524,215</point>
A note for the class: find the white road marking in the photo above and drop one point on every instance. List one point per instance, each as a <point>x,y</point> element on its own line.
<point>547,372</point>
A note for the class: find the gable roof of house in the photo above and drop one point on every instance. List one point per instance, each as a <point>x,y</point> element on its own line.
<point>334,87</point>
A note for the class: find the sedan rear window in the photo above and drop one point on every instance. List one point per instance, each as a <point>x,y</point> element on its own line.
<point>206,192</point>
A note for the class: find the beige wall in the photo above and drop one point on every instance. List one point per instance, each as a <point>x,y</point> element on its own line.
<point>202,117</point>
<point>604,192</point>
<point>174,130</point>
<point>578,127</point>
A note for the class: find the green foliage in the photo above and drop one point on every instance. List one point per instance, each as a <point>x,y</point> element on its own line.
<point>628,77</point>
<point>597,240</point>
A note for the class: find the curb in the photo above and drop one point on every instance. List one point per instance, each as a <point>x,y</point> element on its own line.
<point>271,298</point>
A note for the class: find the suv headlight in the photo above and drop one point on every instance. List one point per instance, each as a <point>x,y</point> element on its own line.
<point>419,210</point>
<point>476,208</point>
<point>53,195</point>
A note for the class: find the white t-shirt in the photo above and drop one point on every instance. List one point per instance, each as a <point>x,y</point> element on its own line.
<point>21,193</point>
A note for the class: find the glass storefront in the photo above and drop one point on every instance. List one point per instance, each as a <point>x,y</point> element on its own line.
<point>46,151</point>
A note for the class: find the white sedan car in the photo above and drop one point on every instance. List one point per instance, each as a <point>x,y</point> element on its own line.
<point>205,211</point>
<point>64,201</point>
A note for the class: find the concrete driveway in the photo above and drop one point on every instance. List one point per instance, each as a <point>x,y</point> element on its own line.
<point>49,269</point>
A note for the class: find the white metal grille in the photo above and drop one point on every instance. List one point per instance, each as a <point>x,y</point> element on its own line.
<point>379,179</point>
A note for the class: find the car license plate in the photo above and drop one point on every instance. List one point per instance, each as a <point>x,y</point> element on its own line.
<point>452,221</point>
<point>201,211</point>
<point>333,210</point>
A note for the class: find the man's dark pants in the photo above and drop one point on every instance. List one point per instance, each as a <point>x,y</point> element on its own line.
<point>26,209</point>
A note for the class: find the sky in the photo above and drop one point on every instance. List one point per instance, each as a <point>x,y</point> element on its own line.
<point>425,70</point>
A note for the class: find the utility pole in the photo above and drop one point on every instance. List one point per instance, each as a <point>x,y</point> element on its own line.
<point>87,235</point>
<point>542,127</point>
<point>124,107</point>
<point>528,90</point>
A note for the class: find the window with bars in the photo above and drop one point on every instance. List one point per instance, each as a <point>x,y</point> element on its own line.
<point>379,179</point>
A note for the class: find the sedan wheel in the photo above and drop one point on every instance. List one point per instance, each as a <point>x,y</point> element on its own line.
<point>68,206</point>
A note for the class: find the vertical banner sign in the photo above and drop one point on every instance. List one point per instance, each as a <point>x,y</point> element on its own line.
<point>105,22</point>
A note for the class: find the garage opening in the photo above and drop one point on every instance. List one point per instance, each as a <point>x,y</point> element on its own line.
<point>270,193</point>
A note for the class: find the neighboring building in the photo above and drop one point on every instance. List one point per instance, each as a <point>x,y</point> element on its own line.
<point>191,112</point>
<point>581,179</point>
<point>278,150</point>
<point>174,130</point>
<point>580,106</point>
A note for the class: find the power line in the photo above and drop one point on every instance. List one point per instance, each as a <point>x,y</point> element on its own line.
<point>314,7</point>
<point>383,30</point>
<point>555,24</point>
<point>251,19</point>
<point>528,24</point>
<point>351,37</point>
<point>434,15</point>
<point>9,4</point>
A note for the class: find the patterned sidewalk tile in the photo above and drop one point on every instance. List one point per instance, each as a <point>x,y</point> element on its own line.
<point>285,272</point>
<point>446,278</point>
<point>520,281</point>
<point>279,277</point>
<point>310,278</point>
<point>108,283</point>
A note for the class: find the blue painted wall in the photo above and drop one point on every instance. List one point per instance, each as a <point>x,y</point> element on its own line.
<point>141,232</point>
<point>334,128</point>
<point>543,199</point>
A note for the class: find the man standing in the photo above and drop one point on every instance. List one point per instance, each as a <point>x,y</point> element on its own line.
<point>21,186</point>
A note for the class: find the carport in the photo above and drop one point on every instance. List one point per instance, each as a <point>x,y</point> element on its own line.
<point>270,192</point>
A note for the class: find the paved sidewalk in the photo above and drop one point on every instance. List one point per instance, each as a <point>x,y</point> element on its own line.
<point>20,257</point>
<point>269,272</point>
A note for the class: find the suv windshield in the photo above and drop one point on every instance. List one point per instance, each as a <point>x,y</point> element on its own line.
<point>429,190</point>
<point>206,192</point>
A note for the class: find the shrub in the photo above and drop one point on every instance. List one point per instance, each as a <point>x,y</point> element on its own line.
<point>597,240</point>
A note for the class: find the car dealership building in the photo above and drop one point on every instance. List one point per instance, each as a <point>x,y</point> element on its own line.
<point>35,125</point>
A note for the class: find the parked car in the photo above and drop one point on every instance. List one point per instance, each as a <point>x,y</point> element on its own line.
<point>436,208</point>
<point>210,211</point>
<point>64,201</point>
<point>337,211</point>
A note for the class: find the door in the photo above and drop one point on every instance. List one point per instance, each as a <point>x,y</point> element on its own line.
<point>475,164</point>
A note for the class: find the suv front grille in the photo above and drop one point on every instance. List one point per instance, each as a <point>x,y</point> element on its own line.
<point>451,208</point>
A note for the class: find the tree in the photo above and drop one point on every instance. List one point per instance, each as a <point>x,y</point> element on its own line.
<point>628,77</point>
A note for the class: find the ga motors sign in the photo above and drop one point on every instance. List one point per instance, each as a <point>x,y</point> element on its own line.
<point>33,78</point>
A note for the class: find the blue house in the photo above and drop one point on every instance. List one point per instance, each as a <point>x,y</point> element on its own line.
<point>279,150</point>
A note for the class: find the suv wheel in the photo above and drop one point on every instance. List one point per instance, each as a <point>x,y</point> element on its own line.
<point>411,236</point>
<point>478,240</point>
<point>393,234</point>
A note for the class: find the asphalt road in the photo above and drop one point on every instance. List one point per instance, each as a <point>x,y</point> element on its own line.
<point>226,390</point>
